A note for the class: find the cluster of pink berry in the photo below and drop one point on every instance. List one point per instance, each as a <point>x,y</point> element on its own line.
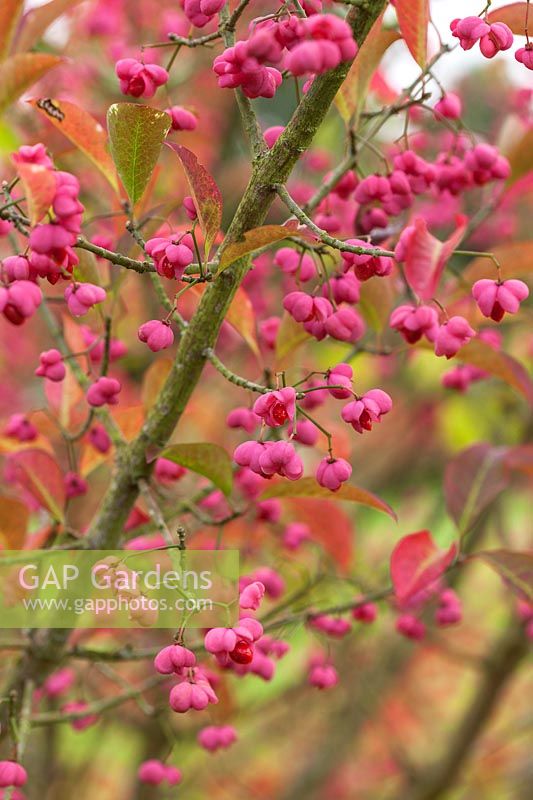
<point>275,408</point>
<point>51,255</point>
<point>492,37</point>
<point>448,612</point>
<point>12,774</point>
<point>307,46</point>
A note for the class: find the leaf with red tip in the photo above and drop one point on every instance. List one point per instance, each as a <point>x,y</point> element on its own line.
<point>254,240</point>
<point>426,257</point>
<point>513,15</point>
<point>204,192</point>
<point>21,71</point>
<point>413,19</point>
<point>351,96</point>
<point>416,563</point>
<point>308,487</point>
<point>83,131</point>
<point>514,568</point>
<point>39,185</point>
<point>501,365</point>
<point>10,12</point>
<point>39,474</point>
<point>472,480</point>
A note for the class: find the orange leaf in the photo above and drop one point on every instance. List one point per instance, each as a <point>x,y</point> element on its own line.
<point>10,11</point>
<point>513,15</point>
<point>39,185</point>
<point>21,71</point>
<point>129,420</point>
<point>83,131</point>
<point>501,365</point>
<point>351,96</point>
<point>413,19</point>
<point>153,380</point>
<point>13,522</point>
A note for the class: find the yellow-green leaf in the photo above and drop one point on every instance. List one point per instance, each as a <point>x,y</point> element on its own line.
<point>308,487</point>
<point>136,133</point>
<point>209,460</point>
<point>253,240</point>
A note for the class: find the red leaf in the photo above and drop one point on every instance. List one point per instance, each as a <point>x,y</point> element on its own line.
<point>513,15</point>
<point>413,19</point>
<point>426,256</point>
<point>39,474</point>
<point>39,185</point>
<point>416,563</point>
<point>473,479</point>
<point>329,525</point>
<point>204,191</point>
<point>514,568</point>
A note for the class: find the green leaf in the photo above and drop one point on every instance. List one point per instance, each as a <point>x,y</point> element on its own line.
<point>515,568</point>
<point>21,71</point>
<point>209,460</point>
<point>308,487</point>
<point>136,134</point>
<point>205,193</point>
<point>255,240</point>
<point>84,131</point>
